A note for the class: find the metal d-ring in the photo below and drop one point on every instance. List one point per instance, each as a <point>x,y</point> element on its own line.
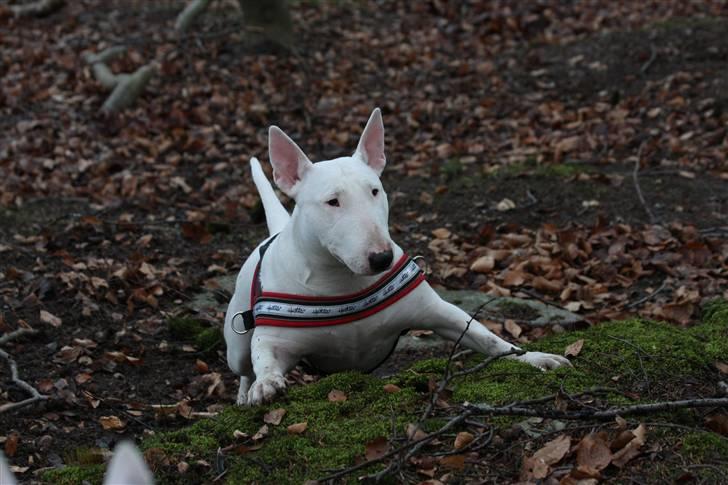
<point>232,324</point>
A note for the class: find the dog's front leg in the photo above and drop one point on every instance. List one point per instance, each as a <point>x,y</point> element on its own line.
<point>272,359</point>
<point>449,321</point>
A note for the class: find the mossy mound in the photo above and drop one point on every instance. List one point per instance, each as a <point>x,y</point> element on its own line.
<point>189,329</point>
<point>641,360</point>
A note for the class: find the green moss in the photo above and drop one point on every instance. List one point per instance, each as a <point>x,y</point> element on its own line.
<point>74,475</point>
<point>190,329</point>
<point>452,169</point>
<point>704,447</point>
<point>184,327</point>
<point>209,338</point>
<point>649,359</point>
<point>531,167</point>
<point>679,23</point>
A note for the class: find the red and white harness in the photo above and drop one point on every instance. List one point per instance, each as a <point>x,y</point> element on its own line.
<point>288,310</point>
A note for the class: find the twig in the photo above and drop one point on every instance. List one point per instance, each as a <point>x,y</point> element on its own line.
<point>543,300</point>
<point>422,441</point>
<point>714,231</point>
<point>650,61</point>
<point>447,376</point>
<point>638,409</point>
<point>39,8</point>
<point>648,296</point>
<point>35,395</point>
<point>635,179</point>
<point>532,200</point>
<point>17,333</point>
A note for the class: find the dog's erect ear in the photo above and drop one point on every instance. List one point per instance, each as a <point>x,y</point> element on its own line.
<point>128,466</point>
<point>371,143</point>
<point>289,162</point>
<point>6,476</point>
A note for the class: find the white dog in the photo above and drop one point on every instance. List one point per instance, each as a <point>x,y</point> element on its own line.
<point>332,287</point>
<point>127,467</point>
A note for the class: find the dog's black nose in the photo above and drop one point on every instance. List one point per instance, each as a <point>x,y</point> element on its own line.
<point>381,261</point>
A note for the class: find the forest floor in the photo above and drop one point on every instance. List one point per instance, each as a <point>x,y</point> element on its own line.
<point>570,153</point>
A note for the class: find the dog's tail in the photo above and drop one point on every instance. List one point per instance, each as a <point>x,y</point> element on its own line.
<point>276,216</point>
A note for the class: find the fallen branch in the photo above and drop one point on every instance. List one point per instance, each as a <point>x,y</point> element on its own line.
<point>635,179</point>
<point>648,64</point>
<point>39,8</point>
<point>125,88</point>
<point>606,414</point>
<point>35,395</point>
<point>189,15</point>
<point>17,333</point>
<point>648,296</point>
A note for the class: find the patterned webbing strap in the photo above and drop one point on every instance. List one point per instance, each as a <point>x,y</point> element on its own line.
<point>287,310</point>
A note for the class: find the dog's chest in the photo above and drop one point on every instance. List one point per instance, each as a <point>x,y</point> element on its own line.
<point>360,346</point>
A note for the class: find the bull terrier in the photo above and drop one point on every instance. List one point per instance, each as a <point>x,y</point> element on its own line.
<point>329,286</point>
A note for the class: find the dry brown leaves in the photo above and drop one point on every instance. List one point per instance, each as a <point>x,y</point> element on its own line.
<point>591,455</point>
<point>594,270</point>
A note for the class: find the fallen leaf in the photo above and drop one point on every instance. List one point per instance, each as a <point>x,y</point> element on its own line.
<point>441,233</point>
<point>676,312</point>
<point>337,396</point>
<point>574,349</point>
<point>261,433</point>
<point>391,388</point>
<point>202,366</point>
<point>11,444</point>
<point>514,278</point>
<point>592,452</point>
<point>505,205</point>
<point>297,428</point>
<point>274,416</point>
<point>196,232</point>
<point>632,448</point>
<point>538,465</point>
<point>722,367</point>
<point>453,462</point>
<point>512,327</point>
<point>483,264</point>
<point>50,319</point>
<point>414,432</point>
<point>718,423</point>
<point>463,439</point>
<point>376,448</point>
<point>111,422</point>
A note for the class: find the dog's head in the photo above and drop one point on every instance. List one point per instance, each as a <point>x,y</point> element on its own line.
<point>341,202</point>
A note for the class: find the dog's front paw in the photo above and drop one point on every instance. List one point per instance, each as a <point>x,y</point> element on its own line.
<point>544,361</point>
<point>265,389</point>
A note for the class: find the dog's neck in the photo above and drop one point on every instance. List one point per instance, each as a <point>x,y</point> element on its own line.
<point>301,265</point>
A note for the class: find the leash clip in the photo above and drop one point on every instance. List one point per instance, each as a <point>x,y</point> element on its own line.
<point>246,325</point>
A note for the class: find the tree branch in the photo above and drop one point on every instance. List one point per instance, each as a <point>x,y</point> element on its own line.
<point>39,8</point>
<point>639,409</point>
<point>35,395</point>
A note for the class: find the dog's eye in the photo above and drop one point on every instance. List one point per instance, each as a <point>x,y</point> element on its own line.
<point>375,192</point>
<point>333,202</point>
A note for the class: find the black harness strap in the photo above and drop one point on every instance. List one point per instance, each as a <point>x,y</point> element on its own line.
<point>248,318</point>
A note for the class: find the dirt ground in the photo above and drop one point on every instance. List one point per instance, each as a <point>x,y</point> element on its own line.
<point>112,224</point>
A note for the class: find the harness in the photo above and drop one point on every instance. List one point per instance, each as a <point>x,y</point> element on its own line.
<point>289,310</point>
